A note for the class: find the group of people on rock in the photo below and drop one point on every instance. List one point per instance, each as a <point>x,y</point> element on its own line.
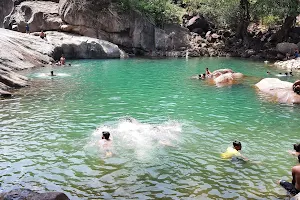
<point>62,61</point>
<point>292,188</point>
<point>205,75</point>
<point>294,56</point>
<point>42,34</point>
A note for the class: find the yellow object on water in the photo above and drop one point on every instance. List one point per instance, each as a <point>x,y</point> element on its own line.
<point>230,152</point>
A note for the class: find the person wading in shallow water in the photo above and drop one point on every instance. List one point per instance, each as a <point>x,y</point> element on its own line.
<point>233,152</point>
<point>294,187</point>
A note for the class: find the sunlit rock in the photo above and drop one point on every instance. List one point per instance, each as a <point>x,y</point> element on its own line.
<point>281,91</point>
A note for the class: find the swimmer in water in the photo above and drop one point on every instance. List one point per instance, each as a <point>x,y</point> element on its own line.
<point>233,152</point>
<point>297,150</point>
<point>105,143</point>
<point>52,73</point>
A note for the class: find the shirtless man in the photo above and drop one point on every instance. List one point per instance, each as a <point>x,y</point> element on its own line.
<point>105,143</point>
<point>62,60</point>
<point>294,187</point>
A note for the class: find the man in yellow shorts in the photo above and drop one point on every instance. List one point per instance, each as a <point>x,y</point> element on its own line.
<point>233,152</point>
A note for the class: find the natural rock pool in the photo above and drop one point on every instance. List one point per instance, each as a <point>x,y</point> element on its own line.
<point>49,143</point>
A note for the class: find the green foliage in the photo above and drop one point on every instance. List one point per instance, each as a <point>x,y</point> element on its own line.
<point>161,11</point>
<point>271,20</point>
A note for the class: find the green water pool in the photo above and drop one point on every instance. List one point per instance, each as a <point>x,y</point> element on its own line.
<point>49,136</point>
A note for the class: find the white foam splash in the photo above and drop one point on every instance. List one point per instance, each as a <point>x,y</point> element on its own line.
<point>47,75</point>
<point>139,138</point>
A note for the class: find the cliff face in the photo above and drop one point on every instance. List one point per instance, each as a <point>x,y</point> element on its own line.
<point>107,21</point>
<point>6,7</point>
<point>102,19</point>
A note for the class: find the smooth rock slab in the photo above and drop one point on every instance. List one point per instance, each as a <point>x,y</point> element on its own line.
<point>26,194</point>
<point>40,15</point>
<point>289,64</point>
<point>280,91</point>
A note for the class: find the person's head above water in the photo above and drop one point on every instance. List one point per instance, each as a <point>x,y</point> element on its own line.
<point>297,147</point>
<point>237,145</point>
<point>105,135</point>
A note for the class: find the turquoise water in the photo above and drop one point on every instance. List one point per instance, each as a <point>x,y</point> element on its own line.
<point>50,132</point>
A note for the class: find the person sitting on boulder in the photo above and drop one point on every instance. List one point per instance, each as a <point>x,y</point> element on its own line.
<point>294,187</point>
<point>296,53</point>
<point>42,34</point>
<point>296,87</point>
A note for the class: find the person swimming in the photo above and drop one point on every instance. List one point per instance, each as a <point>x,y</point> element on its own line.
<point>106,143</point>
<point>297,150</point>
<point>233,152</point>
<point>201,76</point>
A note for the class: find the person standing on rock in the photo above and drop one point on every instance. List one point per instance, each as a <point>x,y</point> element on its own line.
<point>207,72</point>
<point>42,34</point>
<point>62,60</point>
<point>27,28</point>
<point>294,187</point>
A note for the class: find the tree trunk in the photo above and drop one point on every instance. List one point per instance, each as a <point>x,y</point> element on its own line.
<point>282,33</point>
<point>244,20</point>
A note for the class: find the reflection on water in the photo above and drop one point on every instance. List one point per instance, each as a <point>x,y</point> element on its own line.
<point>169,148</point>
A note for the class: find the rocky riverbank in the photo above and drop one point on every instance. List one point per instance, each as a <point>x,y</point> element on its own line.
<point>22,51</point>
<point>81,31</point>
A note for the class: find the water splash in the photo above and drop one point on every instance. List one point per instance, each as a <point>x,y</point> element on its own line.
<point>47,75</point>
<point>139,139</point>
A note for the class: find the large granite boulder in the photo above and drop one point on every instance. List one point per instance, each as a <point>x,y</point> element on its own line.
<point>293,64</point>
<point>172,37</point>
<point>6,7</point>
<point>286,47</point>
<point>81,47</point>
<point>280,91</point>
<point>128,29</point>
<point>131,30</point>
<point>224,77</point>
<point>40,15</point>
<point>198,22</point>
<point>26,194</point>
<point>22,51</point>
